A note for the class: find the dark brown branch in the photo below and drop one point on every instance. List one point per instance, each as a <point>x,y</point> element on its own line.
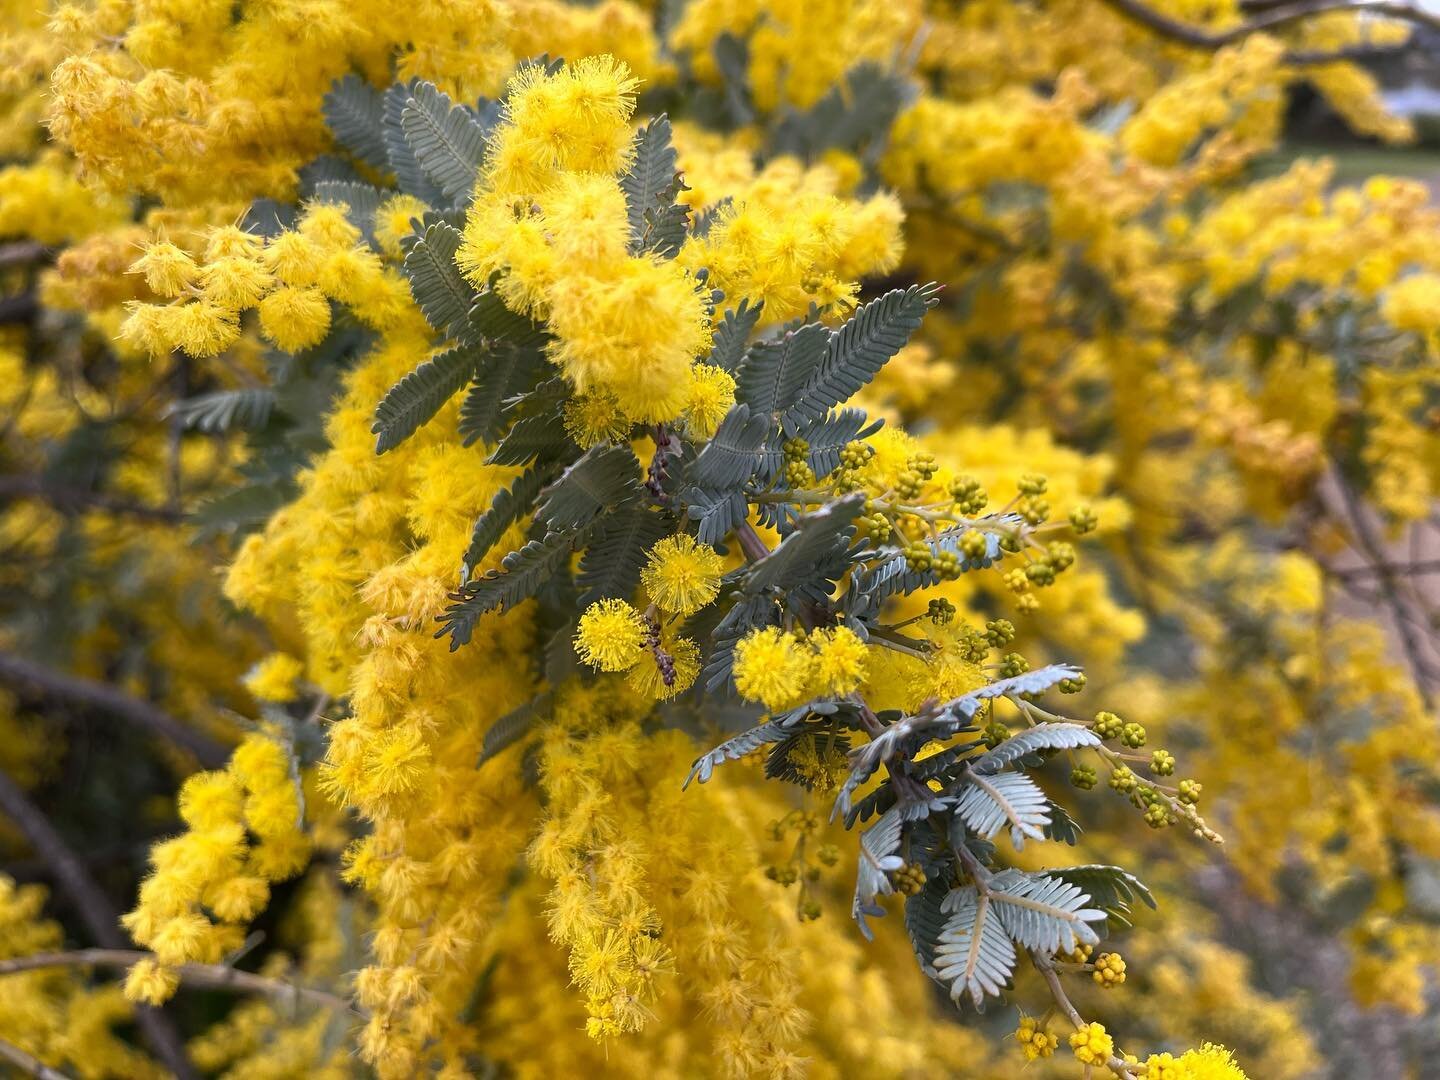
<point>95,912</point>
<point>20,308</point>
<point>1417,568</point>
<point>24,252</point>
<point>1200,37</point>
<point>1370,544</point>
<point>17,670</point>
<point>204,976</point>
<point>751,544</point>
<point>69,500</point>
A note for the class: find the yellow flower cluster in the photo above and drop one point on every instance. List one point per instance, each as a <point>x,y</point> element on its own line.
<point>550,220</point>
<point>1092,1044</point>
<point>612,636</point>
<point>246,830</point>
<point>1240,96</point>
<point>290,279</point>
<point>273,678</point>
<point>1210,1062</point>
<point>682,575</point>
<point>46,202</point>
<point>780,670</point>
<point>798,49</point>
<point>1035,1042</point>
<point>1040,210</point>
<point>788,239</point>
<point>588,849</point>
<point>50,1013</point>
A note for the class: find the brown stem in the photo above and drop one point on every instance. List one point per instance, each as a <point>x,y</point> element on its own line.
<point>873,726</point>
<point>751,544</point>
<point>1370,543</point>
<point>95,912</point>
<point>204,976</point>
<point>97,695</point>
<point>979,873</point>
<point>1118,1065</point>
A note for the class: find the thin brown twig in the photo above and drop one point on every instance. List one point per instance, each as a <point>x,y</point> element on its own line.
<point>95,911</point>
<point>1369,543</point>
<point>106,698</point>
<point>1117,1064</point>
<point>204,976</point>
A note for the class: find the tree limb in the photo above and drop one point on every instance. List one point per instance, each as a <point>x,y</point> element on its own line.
<point>97,695</point>
<point>204,976</point>
<point>95,912</point>
<point>1200,37</point>
<point>24,252</point>
<point>69,500</point>
<point>1368,542</point>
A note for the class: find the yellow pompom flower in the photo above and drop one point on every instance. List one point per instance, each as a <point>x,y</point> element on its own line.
<point>238,899</point>
<point>295,318</point>
<point>234,282</point>
<point>210,801</point>
<point>1210,1062</point>
<point>394,221</point>
<point>1092,1044</point>
<point>148,982</point>
<point>839,660</point>
<point>610,635</point>
<point>182,939</point>
<point>231,241</point>
<point>326,226</point>
<point>168,270</point>
<point>648,676</point>
<point>274,678</point>
<point>773,668</point>
<point>294,258</point>
<point>711,394</point>
<point>146,327</point>
<point>594,418</point>
<point>202,329</point>
<point>681,575</point>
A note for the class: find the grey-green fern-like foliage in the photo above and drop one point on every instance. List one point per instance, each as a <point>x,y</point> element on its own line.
<point>935,812</point>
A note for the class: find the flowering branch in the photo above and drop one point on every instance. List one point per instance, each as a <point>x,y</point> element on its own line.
<point>1117,1064</point>
<point>1202,38</point>
<point>204,976</point>
<point>94,909</point>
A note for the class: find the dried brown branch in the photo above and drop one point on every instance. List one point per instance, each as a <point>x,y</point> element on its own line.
<point>100,919</point>
<point>17,670</point>
<point>203,976</point>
